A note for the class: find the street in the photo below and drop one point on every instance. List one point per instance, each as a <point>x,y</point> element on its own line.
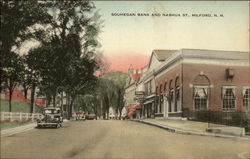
<point>118,139</point>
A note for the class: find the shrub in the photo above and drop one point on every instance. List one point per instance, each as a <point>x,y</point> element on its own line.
<point>218,117</point>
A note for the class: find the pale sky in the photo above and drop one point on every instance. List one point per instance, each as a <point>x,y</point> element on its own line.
<point>133,34</point>
<point>129,40</point>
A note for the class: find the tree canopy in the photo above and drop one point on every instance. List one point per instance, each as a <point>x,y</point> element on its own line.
<point>65,60</point>
<point>108,92</point>
<point>17,17</point>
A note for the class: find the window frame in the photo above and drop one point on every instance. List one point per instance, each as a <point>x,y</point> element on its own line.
<point>245,108</point>
<point>207,97</point>
<point>177,97</point>
<point>222,98</point>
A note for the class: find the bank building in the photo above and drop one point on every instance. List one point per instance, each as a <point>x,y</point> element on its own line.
<point>176,83</point>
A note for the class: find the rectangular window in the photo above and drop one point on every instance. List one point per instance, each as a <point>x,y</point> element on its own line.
<point>229,99</point>
<point>200,98</point>
<point>246,99</point>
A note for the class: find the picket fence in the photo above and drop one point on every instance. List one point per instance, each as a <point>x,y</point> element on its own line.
<point>19,116</point>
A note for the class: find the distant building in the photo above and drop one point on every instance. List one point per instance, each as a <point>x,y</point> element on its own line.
<point>193,79</point>
<point>129,97</point>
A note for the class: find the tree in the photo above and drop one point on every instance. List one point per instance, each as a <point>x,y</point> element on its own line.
<point>79,78</point>
<point>103,63</point>
<point>17,17</point>
<point>118,81</point>
<point>32,75</point>
<point>92,103</point>
<point>65,60</point>
<point>108,92</point>
<point>12,74</point>
<point>76,34</point>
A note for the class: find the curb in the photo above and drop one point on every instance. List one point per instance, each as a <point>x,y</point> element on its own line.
<point>16,130</point>
<point>181,131</point>
<point>20,129</point>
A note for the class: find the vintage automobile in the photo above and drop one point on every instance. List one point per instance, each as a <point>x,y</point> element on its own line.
<point>52,117</point>
<point>80,115</point>
<point>91,116</point>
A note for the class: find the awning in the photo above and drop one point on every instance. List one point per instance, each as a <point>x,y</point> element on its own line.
<point>131,109</point>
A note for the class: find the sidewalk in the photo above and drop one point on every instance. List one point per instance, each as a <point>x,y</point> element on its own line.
<point>16,130</point>
<point>19,129</point>
<point>192,127</point>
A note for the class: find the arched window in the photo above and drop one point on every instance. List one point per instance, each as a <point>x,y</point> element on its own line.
<point>201,92</point>
<point>171,96</point>
<point>201,80</point>
<point>170,85</point>
<point>165,86</point>
<point>160,89</point>
<point>177,102</point>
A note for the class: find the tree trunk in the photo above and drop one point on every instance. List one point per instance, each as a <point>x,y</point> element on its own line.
<point>48,97</point>
<point>106,107</point>
<point>11,89</point>
<point>101,110</point>
<point>70,107</point>
<point>120,114</point>
<point>67,105</point>
<point>54,99</point>
<point>10,99</point>
<point>118,103</point>
<point>25,92</point>
<point>95,110</point>
<point>33,90</point>
<point>61,101</point>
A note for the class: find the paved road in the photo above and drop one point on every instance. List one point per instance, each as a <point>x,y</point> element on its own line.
<point>118,139</point>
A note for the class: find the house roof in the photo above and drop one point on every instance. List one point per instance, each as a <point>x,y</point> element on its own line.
<point>161,55</point>
<point>215,54</point>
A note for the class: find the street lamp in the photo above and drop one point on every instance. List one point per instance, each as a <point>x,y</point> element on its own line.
<point>139,93</point>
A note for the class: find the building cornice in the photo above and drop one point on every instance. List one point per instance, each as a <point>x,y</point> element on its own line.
<point>201,58</point>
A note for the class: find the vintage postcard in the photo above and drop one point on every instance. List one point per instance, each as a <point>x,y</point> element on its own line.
<point>125,80</point>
